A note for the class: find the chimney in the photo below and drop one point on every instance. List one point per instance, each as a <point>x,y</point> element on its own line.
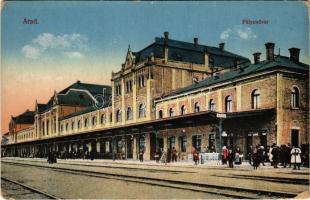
<point>236,64</point>
<point>256,57</point>
<point>269,51</point>
<point>165,52</point>
<point>196,42</point>
<point>221,46</point>
<point>166,34</point>
<point>294,54</point>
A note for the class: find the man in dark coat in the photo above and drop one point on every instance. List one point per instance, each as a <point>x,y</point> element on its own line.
<point>174,154</point>
<point>231,158</point>
<point>275,156</point>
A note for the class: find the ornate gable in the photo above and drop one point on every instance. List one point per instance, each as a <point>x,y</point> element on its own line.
<point>129,62</point>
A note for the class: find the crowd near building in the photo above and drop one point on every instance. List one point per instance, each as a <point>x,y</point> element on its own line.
<point>172,94</point>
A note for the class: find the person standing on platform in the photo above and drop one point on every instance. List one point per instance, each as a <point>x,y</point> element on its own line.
<point>296,157</point>
<point>250,154</point>
<point>238,156</point>
<point>231,158</point>
<point>141,155</point>
<point>261,153</point>
<point>275,155</point>
<point>224,155</point>
<point>256,160</point>
<point>174,154</point>
<point>196,156</point>
<point>163,156</point>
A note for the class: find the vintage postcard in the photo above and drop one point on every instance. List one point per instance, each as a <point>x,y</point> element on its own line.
<point>154,100</point>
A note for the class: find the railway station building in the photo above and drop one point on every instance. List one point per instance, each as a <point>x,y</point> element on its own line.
<point>173,94</point>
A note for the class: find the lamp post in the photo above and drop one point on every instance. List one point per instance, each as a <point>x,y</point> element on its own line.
<point>221,118</point>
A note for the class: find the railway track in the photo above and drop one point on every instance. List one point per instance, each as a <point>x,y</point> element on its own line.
<point>15,190</point>
<point>230,192</point>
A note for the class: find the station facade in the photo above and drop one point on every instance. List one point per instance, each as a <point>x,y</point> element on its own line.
<point>173,94</point>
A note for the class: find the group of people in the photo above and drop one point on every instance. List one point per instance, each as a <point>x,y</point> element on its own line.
<point>166,157</point>
<point>286,155</point>
<point>232,156</point>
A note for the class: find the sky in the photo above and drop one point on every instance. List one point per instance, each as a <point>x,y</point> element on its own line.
<point>86,41</point>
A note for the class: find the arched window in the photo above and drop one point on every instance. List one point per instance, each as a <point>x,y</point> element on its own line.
<point>295,97</point>
<point>86,122</point>
<point>47,127</point>
<point>182,110</point>
<point>67,126</point>
<point>72,126</point>
<point>61,128</point>
<point>94,121</point>
<point>255,99</point>
<point>228,104</point>
<point>111,117</point>
<point>170,112</point>
<point>141,110</point>
<point>79,124</point>
<point>43,128</point>
<point>160,114</point>
<point>102,119</point>
<point>211,105</point>
<point>118,116</point>
<point>196,107</point>
<point>129,113</point>
<point>141,81</point>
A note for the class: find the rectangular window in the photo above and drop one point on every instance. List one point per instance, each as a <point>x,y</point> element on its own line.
<point>196,142</point>
<point>183,143</point>
<point>211,140</point>
<point>129,86</point>
<point>171,142</point>
<point>107,147</point>
<point>141,143</point>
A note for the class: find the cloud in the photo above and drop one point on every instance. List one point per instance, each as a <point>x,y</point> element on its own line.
<point>225,34</point>
<point>31,52</point>
<point>67,44</point>
<point>73,54</point>
<point>244,33</point>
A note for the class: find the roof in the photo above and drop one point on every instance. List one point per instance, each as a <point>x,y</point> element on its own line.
<point>25,118</point>
<point>42,107</point>
<point>279,61</point>
<point>189,52</point>
<point>92,88</point>
<point>78,94</point>
<point>73,97</point>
